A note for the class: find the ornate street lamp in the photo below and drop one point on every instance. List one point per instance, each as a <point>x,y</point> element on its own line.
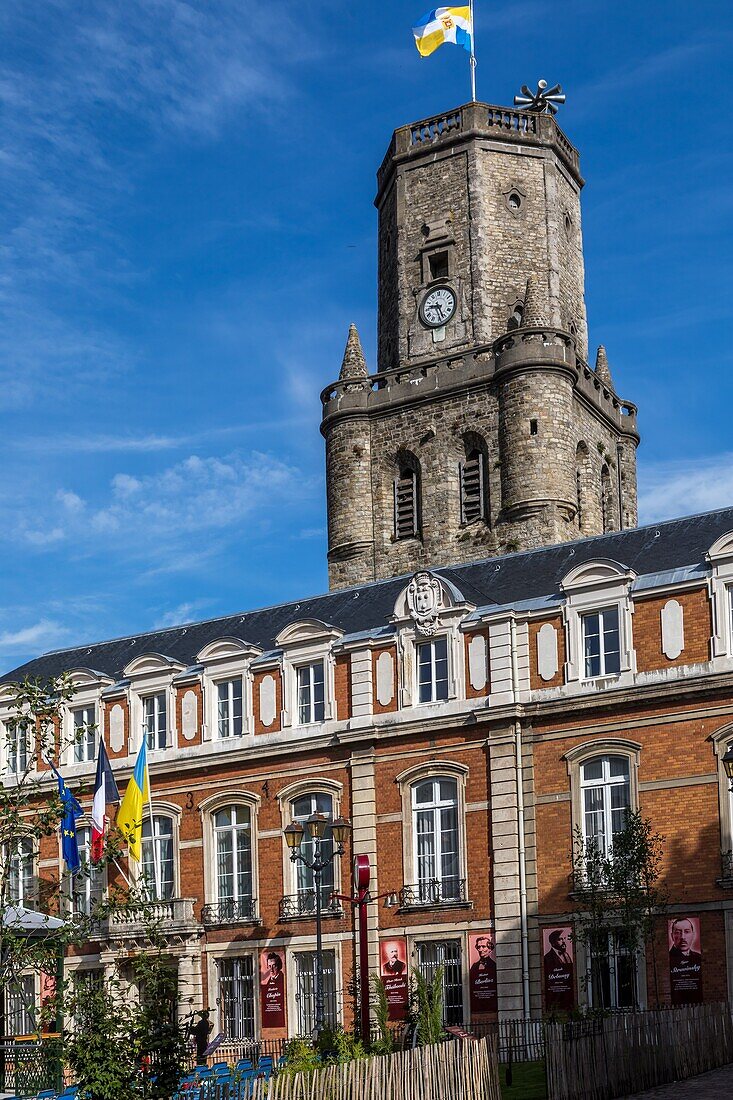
<point>316,826</point>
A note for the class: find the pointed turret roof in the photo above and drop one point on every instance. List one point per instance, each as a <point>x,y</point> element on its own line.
<point>354,363</point>
<point>603,371</point>
<point>535,315</point>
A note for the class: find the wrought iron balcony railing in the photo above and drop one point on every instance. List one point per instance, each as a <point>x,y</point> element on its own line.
<point>304,905</point>
<point>230,911</point>
<point>432,892</point>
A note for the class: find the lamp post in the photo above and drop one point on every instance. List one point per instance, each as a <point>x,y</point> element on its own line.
<point>294,833</point>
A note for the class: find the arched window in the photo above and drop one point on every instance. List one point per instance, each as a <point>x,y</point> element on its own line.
<point>606,796</point>
<point>436,856</point>
<point>606,499</point>
<point>407,497</point>
<point>517,316</point>
<point>317,802</point>
<point>582,476</point>
<point>20,884</point>
<point>233,855</point>
<point>157,865</point>
<point>473,481</point>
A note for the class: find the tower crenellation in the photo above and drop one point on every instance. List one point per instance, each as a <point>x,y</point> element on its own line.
<point>484,429</point>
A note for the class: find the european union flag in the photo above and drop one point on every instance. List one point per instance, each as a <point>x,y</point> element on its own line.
<point>72,811</point>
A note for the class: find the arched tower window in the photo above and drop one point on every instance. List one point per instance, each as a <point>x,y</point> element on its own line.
<point>606,500</point>
<point>473,481</point>
<point>582,474</point>
<point>517,316</point>
<point>407,497</point>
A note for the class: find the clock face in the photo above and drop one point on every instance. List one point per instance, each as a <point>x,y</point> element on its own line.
<point>438,306</point>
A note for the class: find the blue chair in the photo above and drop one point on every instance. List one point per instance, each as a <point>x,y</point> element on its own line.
<point>47,1094</point>
<point>220,1067</point>
<point>244,1063</point>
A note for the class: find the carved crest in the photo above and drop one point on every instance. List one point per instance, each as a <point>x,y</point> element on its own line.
<point>424,601</point>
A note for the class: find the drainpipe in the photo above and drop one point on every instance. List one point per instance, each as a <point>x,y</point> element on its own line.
<point>520,829</point>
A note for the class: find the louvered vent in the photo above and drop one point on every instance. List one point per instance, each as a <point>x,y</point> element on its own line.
<point>472,488</point>
<point>405,505</point>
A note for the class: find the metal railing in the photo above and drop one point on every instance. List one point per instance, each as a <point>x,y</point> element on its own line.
<point>230,911</point>
<point>434,891</point>
<point>303,904</point>
<point>28,1067</point>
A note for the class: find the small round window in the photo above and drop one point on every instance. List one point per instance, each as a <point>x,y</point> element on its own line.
<point>514,201</point>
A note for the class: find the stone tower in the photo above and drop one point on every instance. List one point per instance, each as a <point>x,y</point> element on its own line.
<point>484,428</point>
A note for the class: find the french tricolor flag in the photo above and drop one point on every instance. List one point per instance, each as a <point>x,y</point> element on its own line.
<point>105,791</point>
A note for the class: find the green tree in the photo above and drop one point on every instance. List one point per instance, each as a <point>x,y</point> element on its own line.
<point>427,1003</point>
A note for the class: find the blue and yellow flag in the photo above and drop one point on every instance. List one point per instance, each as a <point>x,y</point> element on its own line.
<point>443,25</point>
<point>69,840</point>
<point>130,815</point>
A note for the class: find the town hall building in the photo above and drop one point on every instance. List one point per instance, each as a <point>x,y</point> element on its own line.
<point>504,660</point>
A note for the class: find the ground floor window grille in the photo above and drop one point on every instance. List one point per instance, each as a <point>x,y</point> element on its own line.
<point>445,953</point>
<point>237,997</point>
<point>305,990</point>
<point>20,1006</point>
<point>612,975</point>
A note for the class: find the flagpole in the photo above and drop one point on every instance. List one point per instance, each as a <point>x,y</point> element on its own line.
<point>473,55</point>
<point>156,868</point>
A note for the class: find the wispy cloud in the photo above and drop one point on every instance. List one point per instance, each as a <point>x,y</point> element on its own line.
<point>182,613</point>
<point>681,488</point>
<point>39,636</point>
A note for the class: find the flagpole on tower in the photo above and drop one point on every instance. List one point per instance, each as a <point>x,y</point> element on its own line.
<point>473,55</point>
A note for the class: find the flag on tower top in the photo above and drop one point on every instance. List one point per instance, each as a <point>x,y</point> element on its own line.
<point>444,25</point>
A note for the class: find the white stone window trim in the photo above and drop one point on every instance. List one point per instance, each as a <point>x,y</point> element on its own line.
<point>411,777</point>
<point>720,586</point>
<point>589,588</point>
<point>137,715</point>
<point>304,643</point>
<point>214,953</point>
<point>430,643</point>
<point>9,749</point>
<point>582,754</point>
<point>227,659</point>
<point>207,808</point>
<point>286,797</point>
<point>722,740</point>
<point>173,813</point>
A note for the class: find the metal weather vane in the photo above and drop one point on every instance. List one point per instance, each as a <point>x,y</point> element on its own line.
<point>545,99</point>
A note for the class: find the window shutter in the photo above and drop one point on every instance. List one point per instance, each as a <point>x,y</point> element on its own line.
<point>472,488</point>
<point>405,511</point>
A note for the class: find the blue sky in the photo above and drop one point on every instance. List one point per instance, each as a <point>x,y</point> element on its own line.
<point>187,231</point>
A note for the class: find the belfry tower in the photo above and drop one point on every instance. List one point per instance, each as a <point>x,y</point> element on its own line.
<point>484,428</point>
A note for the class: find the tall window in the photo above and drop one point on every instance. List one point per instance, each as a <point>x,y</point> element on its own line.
<point>406,502</point>
<point>20,882</point>
<point>20,1006</point>
<point>316,803</point>
<point>311,693</point>
<point>155,720</point>
<point>18,747</point>
<point>88,884</point>
<point>445,953</point>
<point>305,990</point>
<point>229,707</point>
<point>237,997</point>
<point>435,838</point>
<point>432,670</point>
<point>601,643</point>
<point>613,975</point>
<point>157,862</point>
<point>606,500</point>
<point>85,734</point>
<point>606,792</point>
<point>233,848</point>
<point>473,486</point>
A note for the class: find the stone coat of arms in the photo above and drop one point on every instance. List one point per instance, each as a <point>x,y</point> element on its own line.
<point>424,601</point>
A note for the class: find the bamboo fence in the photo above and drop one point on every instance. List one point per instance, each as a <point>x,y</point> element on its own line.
<point>456,1070</point>
<point>620,1055</point>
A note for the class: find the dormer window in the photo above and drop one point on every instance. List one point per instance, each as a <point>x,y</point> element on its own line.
<point>311,693</point>
<point>229,708</point>
<point>601,643</point>
<point>85,734</point>
<point>155,726</point>
<point>432,670</point>
<point>18,747</point>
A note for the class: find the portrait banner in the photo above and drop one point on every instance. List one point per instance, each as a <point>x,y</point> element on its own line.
<point>394,970</point>
<point>482,973</point>
<point>685,960</point>
<point>272,987</point>
<point>558,968</point>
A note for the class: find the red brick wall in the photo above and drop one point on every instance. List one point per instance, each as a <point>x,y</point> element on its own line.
<point>535,680</point>
<point>648,631</point>
<point>342,679</point>
<point>258,678</point>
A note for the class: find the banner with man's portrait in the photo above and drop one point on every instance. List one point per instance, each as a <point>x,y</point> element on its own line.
<point>394,972</point>
<point>272,987</point>
<point>482,972</point>
<point>558,964</point>
<point>685,960</point>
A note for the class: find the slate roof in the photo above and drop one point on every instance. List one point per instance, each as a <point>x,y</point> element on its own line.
<point>533,575</point>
